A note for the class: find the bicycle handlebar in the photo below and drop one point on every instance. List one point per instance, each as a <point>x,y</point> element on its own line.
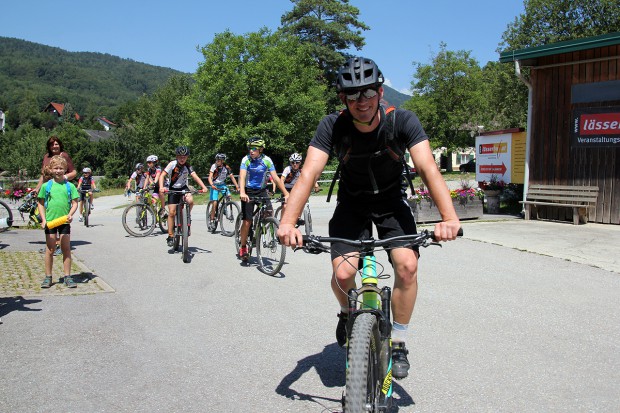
<point>314,243</point>
<point>264,199</point>
<point>182,191</point>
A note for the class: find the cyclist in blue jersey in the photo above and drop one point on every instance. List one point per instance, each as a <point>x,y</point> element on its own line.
<point>255,167</point>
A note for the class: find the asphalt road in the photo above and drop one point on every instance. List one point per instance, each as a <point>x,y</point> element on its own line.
<point>496,328</point>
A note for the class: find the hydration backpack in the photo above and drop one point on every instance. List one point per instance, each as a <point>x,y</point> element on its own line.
<point>394,146</point>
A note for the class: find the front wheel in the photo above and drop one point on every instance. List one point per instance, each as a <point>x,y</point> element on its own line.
<point>269,251</point>
<point>6,217</point>
<point>363,387</point>
<point>86,211</point>
<point>228,217</point>
<point>138,220</point>
<point>186,224</point>
<point>307,220</point>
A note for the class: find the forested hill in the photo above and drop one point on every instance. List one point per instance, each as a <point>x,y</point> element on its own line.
<point>394,97</point>
<point>92,83</point>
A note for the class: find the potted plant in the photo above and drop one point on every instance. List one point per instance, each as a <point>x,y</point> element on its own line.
<point>492,191</point>
<point>466,199</point>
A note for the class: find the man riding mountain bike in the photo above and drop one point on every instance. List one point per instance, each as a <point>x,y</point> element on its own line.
<point>370,144</point>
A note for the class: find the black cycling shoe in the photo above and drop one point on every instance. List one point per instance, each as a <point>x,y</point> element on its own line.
<point>170,241</point>
<point>400,364</point>
<point>341,329</point>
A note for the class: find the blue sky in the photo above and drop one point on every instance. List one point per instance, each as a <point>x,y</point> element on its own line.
<point>167,33</point>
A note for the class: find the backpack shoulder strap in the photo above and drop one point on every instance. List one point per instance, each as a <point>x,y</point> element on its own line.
<point>48,189</point>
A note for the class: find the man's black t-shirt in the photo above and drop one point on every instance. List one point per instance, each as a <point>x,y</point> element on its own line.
<point>355,177</point>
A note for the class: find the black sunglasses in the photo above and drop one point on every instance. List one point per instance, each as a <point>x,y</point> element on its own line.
<point>368,94</point>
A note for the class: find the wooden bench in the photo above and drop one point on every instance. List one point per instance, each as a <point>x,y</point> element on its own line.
<point>580,198</point>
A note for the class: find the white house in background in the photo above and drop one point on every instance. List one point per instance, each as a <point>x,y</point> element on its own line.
<point>459,156</point>
<point>107,124</point>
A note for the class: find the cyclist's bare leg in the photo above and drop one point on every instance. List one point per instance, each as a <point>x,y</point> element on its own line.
<point>213,207</point>
<point>190,200</point>
<point>243,232</point>
<point>50,247</point>
<point>81,207</point>
<point>65,246</point>
<point>91,197</point>
<point>344,278</point>
<point>172,211</point>
<point>405,262</point>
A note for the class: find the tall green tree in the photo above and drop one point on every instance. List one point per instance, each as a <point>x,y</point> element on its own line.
<point>329,28</point>
<point>449,98</point>
<point>551,21</point>
<point>260,83</point>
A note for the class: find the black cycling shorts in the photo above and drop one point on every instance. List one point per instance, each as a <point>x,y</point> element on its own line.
<point>176,198</point>
<point>353,219</point>
<point>247,208</point>
<point>63,229</point>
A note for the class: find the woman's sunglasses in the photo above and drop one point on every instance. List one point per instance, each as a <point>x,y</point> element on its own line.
<point>368,94</point>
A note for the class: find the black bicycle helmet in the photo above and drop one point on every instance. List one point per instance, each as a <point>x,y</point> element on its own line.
<point>183,150</point>
<point>358,73</point>
<point>220,156</point>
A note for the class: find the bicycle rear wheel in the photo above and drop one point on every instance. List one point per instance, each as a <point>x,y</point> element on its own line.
<point>363,387</point>
<point>228,218</point>
<point>6,217</point>
<point>138,220</point>
<point>269,251</point>
<point>185,232</point>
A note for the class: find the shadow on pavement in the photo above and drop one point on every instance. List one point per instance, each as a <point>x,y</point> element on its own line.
<point>18,303</point>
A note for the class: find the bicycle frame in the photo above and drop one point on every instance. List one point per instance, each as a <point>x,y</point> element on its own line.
<point>182,226</point>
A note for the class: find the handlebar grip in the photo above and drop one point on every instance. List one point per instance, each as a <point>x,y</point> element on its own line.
<point>458,234</point>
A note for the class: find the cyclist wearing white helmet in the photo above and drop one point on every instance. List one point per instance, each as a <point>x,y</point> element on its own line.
<point>86,183</point>
<point>255,167</point>
<point>139,176</point>
<point>179,172</point>
<point>152,180</point>
<point>370,142</point>
<point>291,173</point>
<point>218,173</point>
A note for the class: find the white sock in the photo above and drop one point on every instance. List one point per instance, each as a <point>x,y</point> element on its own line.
<point>399,332</point>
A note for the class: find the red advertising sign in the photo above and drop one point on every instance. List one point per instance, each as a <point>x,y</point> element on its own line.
<point>596,127</point>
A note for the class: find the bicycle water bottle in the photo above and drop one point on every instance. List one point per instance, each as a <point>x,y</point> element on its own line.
<point>370,299</point>
<point>57,222</point>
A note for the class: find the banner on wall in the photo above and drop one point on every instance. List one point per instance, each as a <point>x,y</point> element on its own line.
<point>501,154</point>
<point>596,127</point>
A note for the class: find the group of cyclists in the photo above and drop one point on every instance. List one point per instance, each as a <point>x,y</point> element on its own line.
<point>369,141</point>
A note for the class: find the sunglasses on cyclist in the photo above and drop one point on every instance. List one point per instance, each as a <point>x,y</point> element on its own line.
<point>254,148</point>
<point>295,162</point>
<point>368,94</point>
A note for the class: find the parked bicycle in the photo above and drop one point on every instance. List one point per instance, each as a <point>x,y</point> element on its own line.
<point>87,205</point>
<point>369,344</point>
<point>29,206</point>
<point>6,217</point>
<point>226,212</point>
<point>262,235</point>
<point>182,223</point>
<point>139,219</point>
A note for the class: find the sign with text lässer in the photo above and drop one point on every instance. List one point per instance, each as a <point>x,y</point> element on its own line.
<point>596,127</point>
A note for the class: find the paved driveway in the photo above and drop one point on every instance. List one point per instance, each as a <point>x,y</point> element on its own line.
<point>496,328</point>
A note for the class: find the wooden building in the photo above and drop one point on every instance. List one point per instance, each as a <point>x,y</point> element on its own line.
<point>569,82</point>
